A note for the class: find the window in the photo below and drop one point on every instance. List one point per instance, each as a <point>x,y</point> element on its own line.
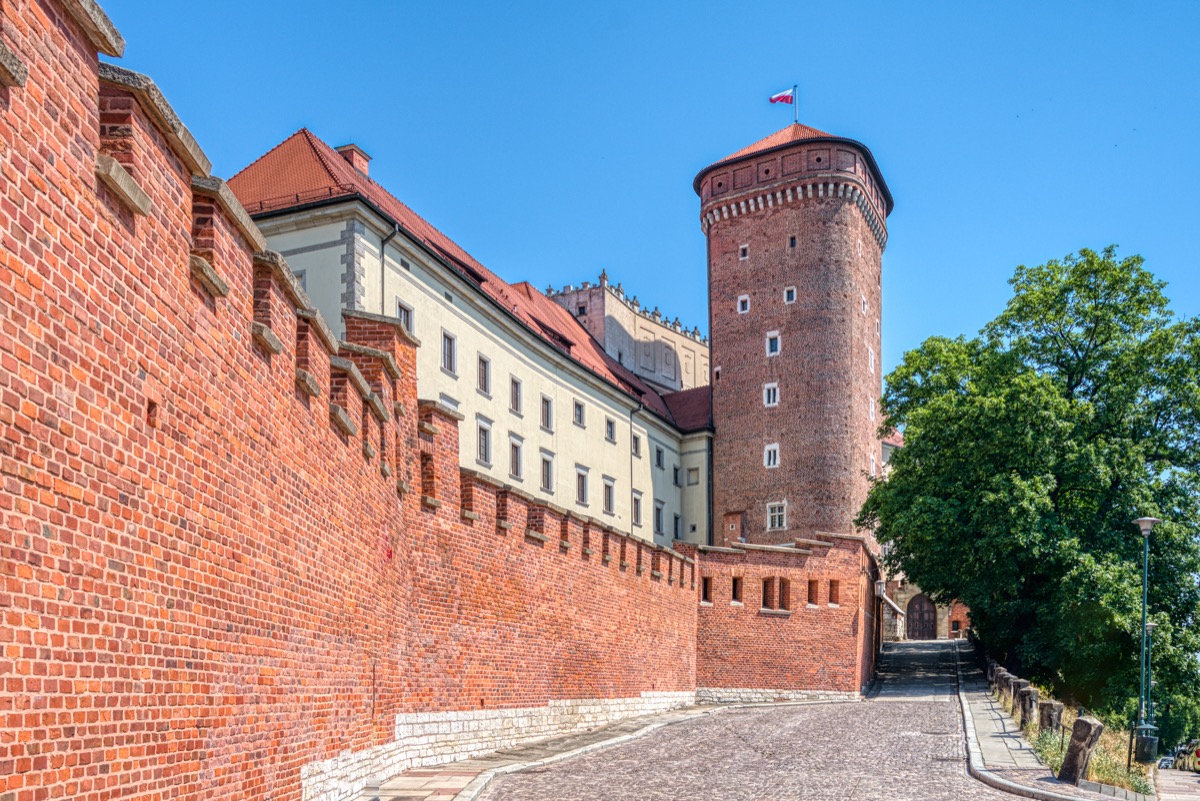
<point>743,304</point>
<point>610,495</point>
<point>514,395</point>
<point>864,304</point>
<point>768,593</point>
<point>404,315</point>
<point>706,589</point>
<point>872,465</point>
<point>776,516</point>
<point>834,592</point>
<point>955,625</point>
<point>659,461</point>
<point>693,476</point>
<point>717,374</point>
<point>637,509</point>
<point>791,242</point>
<point>610,429</point>
<point>675,475</point>
<point>677,529</point>
<point>484,384</point>
<point>871,353</point>
<point>547,413</point>
<point>635,444</point>
<point>449,354</point>
<point>789,295</point>
<point>770,395</point>
<point>577,413</point>
<point>785,594</point>
<point>814,589</point>
<point>872,409</point>
<point>735,590</point>
<point>547,472</point>
<point>773,343</point>
<point>484,452</point>
<point>580,310</point>
<point>771,455</point>
<point>581,486</point>
<point>514,458</point>
<point>744,252</point>
<point>658,517</point>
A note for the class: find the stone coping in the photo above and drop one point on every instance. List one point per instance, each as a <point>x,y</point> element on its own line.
<point>99,29</point>
<point>389,363</point>
<point>218,191</point>
<point>159,110</point>
<point>284,276</point>
<point>380,318</point>
<point>314,318</point>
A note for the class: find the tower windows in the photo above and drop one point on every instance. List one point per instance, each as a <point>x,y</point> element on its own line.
<point>791,242</point>
<point>770,395</point>
<point>743,252</point>
<point>771,455</point>
<point>743,304</point>
<point>772,344</point>
<point>776,516</point>
<point>789,295</point>
<point>871,359</point>
<point>864,304</point>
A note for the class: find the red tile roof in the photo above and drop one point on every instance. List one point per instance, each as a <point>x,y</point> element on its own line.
<point>691,408</point>
<point>895,439</point>
<point>303,169</point>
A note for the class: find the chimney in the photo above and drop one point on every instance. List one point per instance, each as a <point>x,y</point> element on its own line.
<point>357,157</point>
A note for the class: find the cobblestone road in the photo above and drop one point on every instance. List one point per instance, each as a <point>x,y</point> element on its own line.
<point>904,744</point>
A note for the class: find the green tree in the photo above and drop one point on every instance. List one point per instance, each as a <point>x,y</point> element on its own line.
<point>1028,452</point>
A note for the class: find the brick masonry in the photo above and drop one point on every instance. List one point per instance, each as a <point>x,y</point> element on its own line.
<point>223,567</point>
<point>240,558</point>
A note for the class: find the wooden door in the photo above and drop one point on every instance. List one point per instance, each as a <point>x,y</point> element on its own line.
<point>922,618</point>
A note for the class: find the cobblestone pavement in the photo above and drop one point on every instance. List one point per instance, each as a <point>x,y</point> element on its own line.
<point>905,744</point>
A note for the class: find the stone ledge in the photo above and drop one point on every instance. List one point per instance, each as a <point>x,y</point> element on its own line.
<point>342,420</point>
<point>314,319</point>
<point>376,406</point>
<point>385,469</point>
<point>284,277</point>
<point>12,71</point>
<point>379,318</point>
<point>401,486</point>
<point>99,29</point>
<point>352,372</point>
<point>398,409</point>
<point>160,112</point>
<point>427,428</point>
<point>430,502</point>
<point>605,559</point>
<point>536,535</point>
<point>564,545</point>
<point>586,551</point>
<point>503,525</point>
<point>121,183</point>
<point>437,407</point>
<point>389,364</point>
<point>306,382</point>
<point>368,451</point>
<point>217,190</point>
<point>266,338</point>
<point>207,277</point>
<point>746,546</point>
<point>655,574</point>
<point>467,514</point>
<point>775,612</point>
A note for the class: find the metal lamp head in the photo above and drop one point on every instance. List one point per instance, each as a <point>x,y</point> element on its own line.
<point>1150,624</point>
<point>880,588</point>
<point>1146,524</point>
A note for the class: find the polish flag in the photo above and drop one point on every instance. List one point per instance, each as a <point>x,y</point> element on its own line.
<point>785,97</point>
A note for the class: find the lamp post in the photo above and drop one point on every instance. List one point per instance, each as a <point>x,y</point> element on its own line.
<point>1150,672</point>
<point>1147,743</point>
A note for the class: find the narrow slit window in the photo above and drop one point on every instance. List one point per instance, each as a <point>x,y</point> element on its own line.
<point>735,591</point>
<point>706,590</point>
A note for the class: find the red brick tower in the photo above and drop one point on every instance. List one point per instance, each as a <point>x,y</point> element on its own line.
<point>796,227</point>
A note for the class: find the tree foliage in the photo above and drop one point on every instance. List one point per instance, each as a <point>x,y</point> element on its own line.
<point>1028,452</point>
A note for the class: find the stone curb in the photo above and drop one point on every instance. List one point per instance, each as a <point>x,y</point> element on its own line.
<point>975,754</point>
<point>481,782</point>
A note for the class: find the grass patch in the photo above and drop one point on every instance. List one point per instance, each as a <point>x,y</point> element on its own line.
<point>1108,760</point>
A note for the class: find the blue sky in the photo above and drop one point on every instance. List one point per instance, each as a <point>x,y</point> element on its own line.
<point>555,139</point>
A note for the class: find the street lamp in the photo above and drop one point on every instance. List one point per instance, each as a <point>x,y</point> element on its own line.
<point>1150,672</point>
<point>1147,743</point>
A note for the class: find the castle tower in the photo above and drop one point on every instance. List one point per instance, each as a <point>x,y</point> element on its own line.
<point>796,226</point>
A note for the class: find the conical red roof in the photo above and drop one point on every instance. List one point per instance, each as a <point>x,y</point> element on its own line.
<point>785,136</point>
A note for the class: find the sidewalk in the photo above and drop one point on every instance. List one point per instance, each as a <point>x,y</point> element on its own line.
<point>1003,749</point>
<point>466,779</point>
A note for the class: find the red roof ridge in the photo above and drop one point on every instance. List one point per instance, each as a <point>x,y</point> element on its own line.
<point>796,132</point>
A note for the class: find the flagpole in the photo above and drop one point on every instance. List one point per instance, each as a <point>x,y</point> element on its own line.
<point>795,103</point>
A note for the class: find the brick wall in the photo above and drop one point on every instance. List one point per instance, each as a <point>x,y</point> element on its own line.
<point>802,646</point>
<point>221,575</point>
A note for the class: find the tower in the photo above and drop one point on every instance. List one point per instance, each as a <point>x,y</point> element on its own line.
<point>796,226</point>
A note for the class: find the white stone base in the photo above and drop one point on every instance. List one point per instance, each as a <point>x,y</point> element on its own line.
<point>746,695</point>
<point>434,738</point>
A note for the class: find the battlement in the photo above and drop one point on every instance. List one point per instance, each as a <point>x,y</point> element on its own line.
<point>568,291</point>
